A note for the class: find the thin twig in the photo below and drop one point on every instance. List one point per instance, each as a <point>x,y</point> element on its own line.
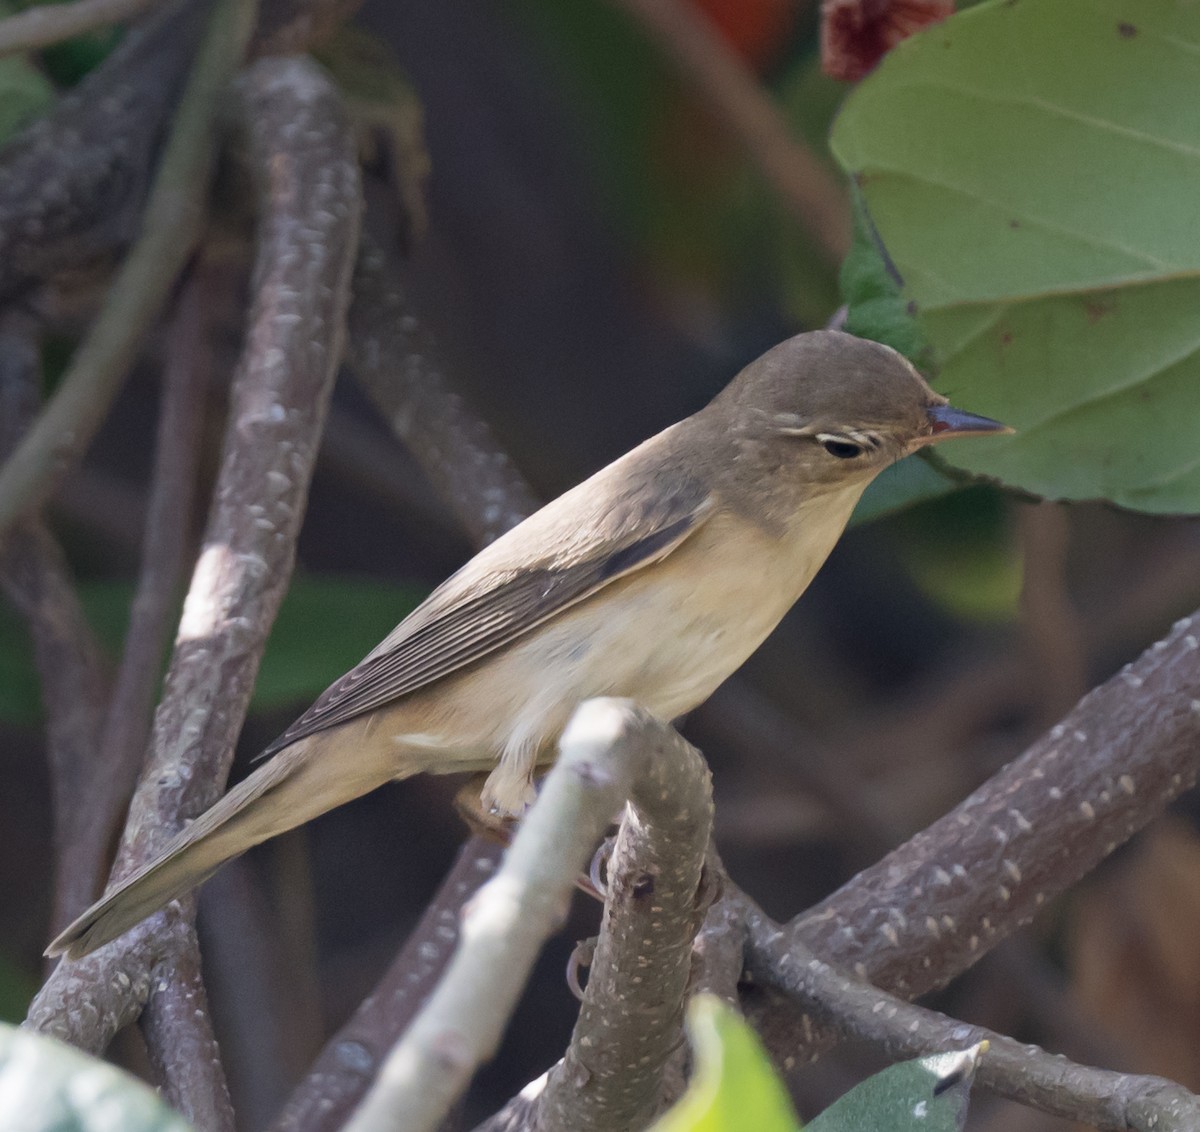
<point>170,227</point>
<point>37,580</point>
<point>811,191</point>
<point>180,1040</point>
<point>72,673</point>
<point>607,745</point>
<point>168,518</point>
<point>40,27</point>
<point>305,254</point>
<point>1113,1102</point>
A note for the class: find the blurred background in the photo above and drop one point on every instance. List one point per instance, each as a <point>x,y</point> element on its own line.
<point>600,258</point>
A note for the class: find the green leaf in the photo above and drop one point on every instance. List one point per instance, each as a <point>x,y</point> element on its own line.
<point>1031,169</point>
<point>46,1086</point>
<point>734,1086</point>
<point>927,1095</point>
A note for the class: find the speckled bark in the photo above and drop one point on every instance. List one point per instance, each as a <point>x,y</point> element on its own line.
<point>72,184</point>
<point>631,1020</point>
<point>164,565</point>
<point>179,1036</point>
<point>607,745</point>
<point>301,143</point>
<point>929,910</point>
<point>1102,1099</point>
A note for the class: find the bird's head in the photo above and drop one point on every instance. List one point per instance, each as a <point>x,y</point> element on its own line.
<point>832,409</point>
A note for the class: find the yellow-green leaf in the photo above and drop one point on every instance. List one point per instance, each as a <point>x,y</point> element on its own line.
<point>734,1086</point>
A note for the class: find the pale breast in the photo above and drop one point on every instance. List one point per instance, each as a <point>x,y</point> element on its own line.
<point>665,636</point>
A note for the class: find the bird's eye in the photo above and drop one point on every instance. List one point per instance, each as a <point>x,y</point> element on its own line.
<point>842,449</point>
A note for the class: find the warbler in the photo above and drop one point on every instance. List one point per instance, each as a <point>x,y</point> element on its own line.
<point>654,579</point>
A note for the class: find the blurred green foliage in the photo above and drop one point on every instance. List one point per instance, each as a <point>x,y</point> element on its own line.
<point>677,187</point>
<point>24,91</point>
<point>17,989</point>
<point>67,62</point>
<point>325,626</point>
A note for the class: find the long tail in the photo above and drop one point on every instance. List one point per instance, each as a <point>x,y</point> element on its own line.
<point>294,787</point>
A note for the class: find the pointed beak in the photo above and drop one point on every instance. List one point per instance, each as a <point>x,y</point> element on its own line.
<point>946,422</point>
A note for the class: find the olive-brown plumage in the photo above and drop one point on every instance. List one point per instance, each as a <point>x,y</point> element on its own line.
<point>654,579</point>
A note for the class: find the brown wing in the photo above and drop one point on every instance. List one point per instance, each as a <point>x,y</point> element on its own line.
<point>479,610</point>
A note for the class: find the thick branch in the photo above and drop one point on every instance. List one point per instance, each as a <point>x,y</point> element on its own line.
<point>300,143</point>
<point>180,1039</point>
<point>930,909</point>
<point>72,184</point>
<point>170,227</point>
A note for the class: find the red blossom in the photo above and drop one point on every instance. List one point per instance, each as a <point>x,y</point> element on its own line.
<point>856,34</point>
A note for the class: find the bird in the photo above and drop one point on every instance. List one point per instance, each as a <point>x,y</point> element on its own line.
<point>654,579</point>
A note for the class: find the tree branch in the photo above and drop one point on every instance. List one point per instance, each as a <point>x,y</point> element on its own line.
<point>71,668</point>
<point>1112,1102</point>
<point>631,1021</point>
<point>608,745</point>
<point>168,517</point>
<point>72,183</point>
<point>179,1036</point>
<point>930,909</point>
<point>395,361</point>
<point>307,235</point>
<point>170,227</point>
